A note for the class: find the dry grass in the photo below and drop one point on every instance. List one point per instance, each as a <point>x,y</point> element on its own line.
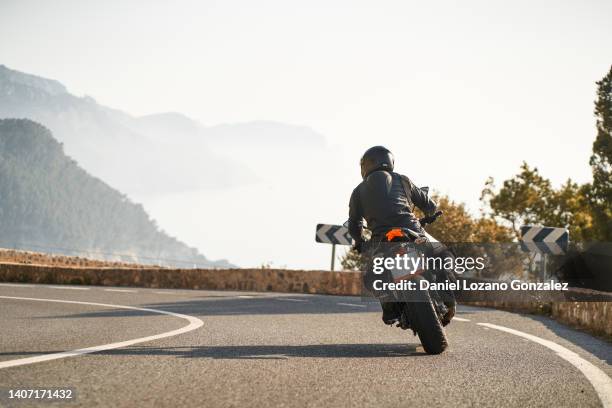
<point>37,258</point>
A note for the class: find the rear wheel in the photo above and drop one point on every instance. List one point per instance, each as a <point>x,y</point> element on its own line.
<point>424,320</point>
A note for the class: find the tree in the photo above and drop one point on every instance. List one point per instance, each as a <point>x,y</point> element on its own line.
<point>586,210</point>
<point>601,161</point>
<point>458,226</point>
<point>523,199</point>
<point>529,198</point>
<point>352,261</point>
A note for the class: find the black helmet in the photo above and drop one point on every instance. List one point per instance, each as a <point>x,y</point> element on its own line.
<point>376,158</point>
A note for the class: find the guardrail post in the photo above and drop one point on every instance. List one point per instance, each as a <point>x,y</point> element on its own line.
<point>543,266</point>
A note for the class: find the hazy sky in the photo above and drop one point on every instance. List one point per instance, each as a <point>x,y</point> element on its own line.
<point>478,85</point>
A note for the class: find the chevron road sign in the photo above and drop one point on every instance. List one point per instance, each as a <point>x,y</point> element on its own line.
<point>333,234</point>
<point>546,240</point>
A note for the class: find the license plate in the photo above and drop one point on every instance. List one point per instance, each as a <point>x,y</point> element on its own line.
<point>407,264</point>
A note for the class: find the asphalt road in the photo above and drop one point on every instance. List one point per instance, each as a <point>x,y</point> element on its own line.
<point>221,349</point>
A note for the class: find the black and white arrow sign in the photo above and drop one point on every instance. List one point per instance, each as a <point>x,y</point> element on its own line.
<point>333,234</point>
<point>547,240</point>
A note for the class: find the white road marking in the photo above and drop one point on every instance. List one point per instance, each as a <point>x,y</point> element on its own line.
<point>246,297</point>
<point>121,290</point>
<point>17,285</point>
<point>461,319</point>
<point>194,323</point>
<point>350,304</point>
<point>165,293</point>
<point>67,287</point>
<point>291,300</point>
<point>598,378</point>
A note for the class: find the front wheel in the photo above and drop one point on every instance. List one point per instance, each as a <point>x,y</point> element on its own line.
<point>424,320</point>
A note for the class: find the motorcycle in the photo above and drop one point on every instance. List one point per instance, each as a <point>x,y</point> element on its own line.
<point>424,311</point>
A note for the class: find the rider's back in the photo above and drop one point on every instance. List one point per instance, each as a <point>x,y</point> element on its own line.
<point>385,200</point>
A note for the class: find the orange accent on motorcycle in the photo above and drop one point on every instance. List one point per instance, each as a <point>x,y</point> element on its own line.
<point>394,233</point>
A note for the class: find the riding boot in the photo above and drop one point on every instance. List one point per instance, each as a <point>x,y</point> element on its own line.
<point>391,312</point>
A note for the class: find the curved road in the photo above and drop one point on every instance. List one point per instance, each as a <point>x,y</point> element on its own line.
<point>208,348</point>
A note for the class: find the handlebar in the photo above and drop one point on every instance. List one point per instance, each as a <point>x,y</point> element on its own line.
<point>431,218</point>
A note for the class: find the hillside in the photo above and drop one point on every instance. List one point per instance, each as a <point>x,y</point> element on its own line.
<point>48,202</point>
<point>120,148</point>
<point>198,179</point>
<point>12,256</point>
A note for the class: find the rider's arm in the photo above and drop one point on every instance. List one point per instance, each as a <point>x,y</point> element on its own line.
<point>355,218</point>
<point>420,198</point>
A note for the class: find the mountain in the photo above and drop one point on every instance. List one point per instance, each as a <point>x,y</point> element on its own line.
<point>267,133</point>
<point>221,187</point>
<point>48,202</point>
<point>27,81</point>
<point>114,145</point>
<point>148,155</point>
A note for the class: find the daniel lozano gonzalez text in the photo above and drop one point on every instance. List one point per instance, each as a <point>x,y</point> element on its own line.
<point>406,264</point>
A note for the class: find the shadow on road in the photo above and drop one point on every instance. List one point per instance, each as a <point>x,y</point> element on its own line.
<point>243,306</point>
<point>273,352</point>
<point>276,352</point>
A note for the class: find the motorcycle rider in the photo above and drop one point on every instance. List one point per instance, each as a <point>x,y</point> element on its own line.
<point>385,200</point>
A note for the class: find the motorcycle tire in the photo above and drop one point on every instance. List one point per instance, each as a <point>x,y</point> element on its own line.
<point>424,320</point>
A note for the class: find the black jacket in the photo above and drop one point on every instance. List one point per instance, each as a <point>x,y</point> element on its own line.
<point>384,203</point>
